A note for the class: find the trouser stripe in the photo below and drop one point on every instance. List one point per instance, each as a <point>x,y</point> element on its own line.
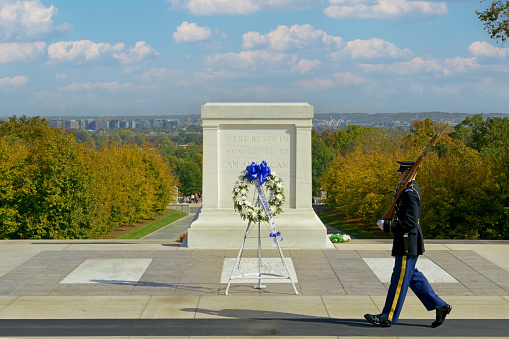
<point>398,289</point>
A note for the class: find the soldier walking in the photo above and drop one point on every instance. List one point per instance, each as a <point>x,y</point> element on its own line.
<point>408,244</point>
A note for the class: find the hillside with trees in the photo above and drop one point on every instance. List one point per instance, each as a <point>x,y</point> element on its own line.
<point>55,187</point>
<point>464,179</point>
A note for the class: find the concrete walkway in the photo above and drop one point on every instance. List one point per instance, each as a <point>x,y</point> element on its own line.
<point>174,230</point>
<point>150,288</point>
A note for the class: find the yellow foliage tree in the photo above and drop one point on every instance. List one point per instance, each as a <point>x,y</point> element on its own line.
<point>53,187</point>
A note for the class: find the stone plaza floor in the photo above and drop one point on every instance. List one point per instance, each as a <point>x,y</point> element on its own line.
<point>142,288</point>
<point>153,288</point>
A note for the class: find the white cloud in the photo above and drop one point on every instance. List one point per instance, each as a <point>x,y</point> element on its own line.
<point>114,86</point>
<point>191,32</point>
<point>136,54</point>
<point>25,20</point>
<point>16,81</point>
<point>81,50</point>
<point>384,9</point>
<point>307,66</point>
<point>216,75</point>
<point>482,48</point>
<point>252,59</point>
<point>21,51</point>
<point>295,37</point>
<point>334,80</point>
<point>155,74</point>
<point>213,7</point>
<point>61,76</point>
<point>418,65</point>
<point>371,49</point>
<point>315,84</point>
<point>275,62</point>
<point>86,51</point>
<point>241,7</point>
<point>347,79</point>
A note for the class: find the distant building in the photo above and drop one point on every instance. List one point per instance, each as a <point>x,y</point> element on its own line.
<point>115,123</point>
<point>72,124</point>
<point>174,123</point>
<point>157,123</point>
<point>98,124</point>
<point>144,124</point>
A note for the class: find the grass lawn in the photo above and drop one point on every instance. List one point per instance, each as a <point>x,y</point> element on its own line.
<point>153,226</point>
<point>351,230</point>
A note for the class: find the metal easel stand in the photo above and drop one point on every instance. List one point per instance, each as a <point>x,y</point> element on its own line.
<point>260,275</point>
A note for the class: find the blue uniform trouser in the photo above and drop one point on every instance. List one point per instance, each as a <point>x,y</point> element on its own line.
<point>403,276</point>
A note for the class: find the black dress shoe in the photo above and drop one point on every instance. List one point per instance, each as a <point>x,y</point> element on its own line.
<point>442,312</point>
<point>378,320</point>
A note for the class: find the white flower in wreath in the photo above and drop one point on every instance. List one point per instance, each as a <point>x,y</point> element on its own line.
<point>273,188</point>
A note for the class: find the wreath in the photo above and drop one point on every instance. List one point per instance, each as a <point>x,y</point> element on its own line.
<point>271,184</point>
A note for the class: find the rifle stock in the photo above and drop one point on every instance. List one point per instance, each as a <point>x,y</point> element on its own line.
<point>403,185</point>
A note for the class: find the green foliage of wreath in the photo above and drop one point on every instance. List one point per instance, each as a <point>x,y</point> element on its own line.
<point>273,191</point>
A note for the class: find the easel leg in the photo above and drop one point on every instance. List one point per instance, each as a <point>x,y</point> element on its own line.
<point>259,286</point>
<point>237,261</point>
<point>286,266</point>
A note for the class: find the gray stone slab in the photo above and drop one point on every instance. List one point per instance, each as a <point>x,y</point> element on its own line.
<point>383,268</point>
<point>108,271</point>
<point>249,266</point>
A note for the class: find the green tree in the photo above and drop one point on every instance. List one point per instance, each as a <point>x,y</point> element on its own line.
<point>496,19</point>
<point>321,157</point>
<point>459,192</point>
<point>51,190</point>
<point>53,187</point>
<point>188,173</point>
<point>490,136</point>
<point>194,138</point>
<point>82,136</point>
<point>345,140</point>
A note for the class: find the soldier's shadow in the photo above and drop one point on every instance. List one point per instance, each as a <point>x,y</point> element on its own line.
<point>260,315</point>
<point>270,315</point>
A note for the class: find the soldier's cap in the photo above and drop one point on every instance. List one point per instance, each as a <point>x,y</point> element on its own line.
<point>404,165</point>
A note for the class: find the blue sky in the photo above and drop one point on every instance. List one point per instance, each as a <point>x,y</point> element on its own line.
<point>162,57</point>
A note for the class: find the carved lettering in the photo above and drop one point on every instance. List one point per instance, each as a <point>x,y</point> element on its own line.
<point>243,151</point>
<point>269,138</point>
<point>232,164</point>
<point>279,151</point>
<point>237,138</point>
<point>278,164</point>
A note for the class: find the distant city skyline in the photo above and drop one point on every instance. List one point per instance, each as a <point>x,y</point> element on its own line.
<point>169,57</point>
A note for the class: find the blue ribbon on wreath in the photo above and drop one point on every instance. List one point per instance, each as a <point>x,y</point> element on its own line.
<point>273,235</point>
<point>261,171</point>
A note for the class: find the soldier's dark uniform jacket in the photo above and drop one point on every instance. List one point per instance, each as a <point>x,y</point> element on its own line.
<point>408,239</point>
<point>407,246</point>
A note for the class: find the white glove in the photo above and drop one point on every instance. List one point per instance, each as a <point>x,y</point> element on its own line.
<point>380,224</point>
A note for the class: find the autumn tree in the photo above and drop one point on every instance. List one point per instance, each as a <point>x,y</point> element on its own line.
<point>464,181</point>
<point>496,19</point>
<point>53,187</point>
<point>459,191</point>
<point>358,182</point>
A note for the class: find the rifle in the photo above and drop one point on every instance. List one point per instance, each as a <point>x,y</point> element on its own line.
<point>402,186</point>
